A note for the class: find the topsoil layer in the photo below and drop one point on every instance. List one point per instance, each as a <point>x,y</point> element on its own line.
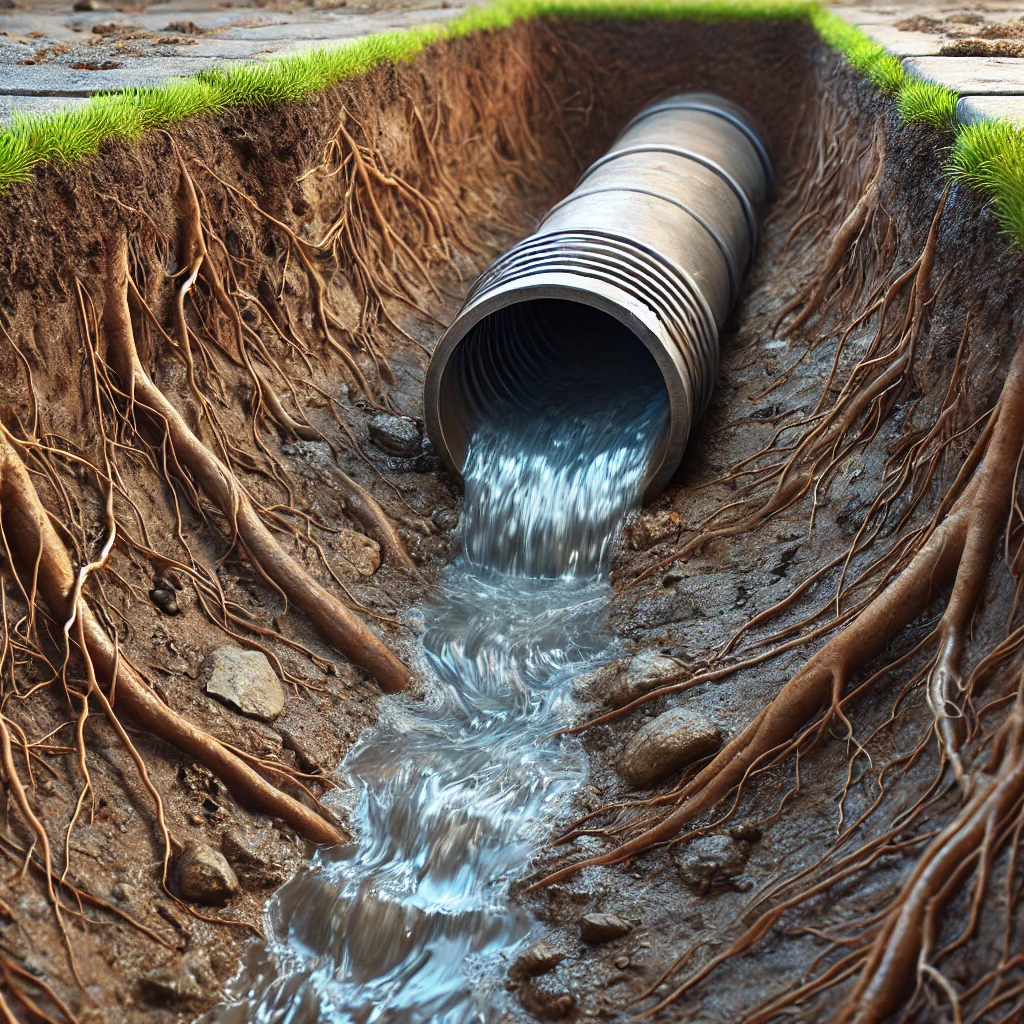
<point>488,131</point>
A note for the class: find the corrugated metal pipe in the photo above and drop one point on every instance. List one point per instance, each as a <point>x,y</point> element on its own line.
<point>655,239</point>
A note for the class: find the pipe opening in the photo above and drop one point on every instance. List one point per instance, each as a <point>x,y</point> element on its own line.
<point>549,357</point>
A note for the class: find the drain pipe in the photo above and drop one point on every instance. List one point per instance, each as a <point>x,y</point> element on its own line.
<point>657,235</point>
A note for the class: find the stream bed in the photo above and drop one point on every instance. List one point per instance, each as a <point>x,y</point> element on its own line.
<point>451,795</point>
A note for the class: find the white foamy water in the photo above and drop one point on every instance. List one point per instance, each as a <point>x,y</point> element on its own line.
<point>452,795</point>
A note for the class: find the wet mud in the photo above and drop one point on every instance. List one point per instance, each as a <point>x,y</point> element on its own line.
<point>484,161</point>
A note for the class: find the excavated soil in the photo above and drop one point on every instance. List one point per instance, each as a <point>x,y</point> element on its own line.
<point>488,132</point>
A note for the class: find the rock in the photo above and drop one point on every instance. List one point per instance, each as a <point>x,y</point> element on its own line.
<point>546,998</point>
<point>166,600</point>
<point>746,832</point>
<point>540,958</point>
<point>652,527</point>
<point>173,983</point>
<point>712,861</point>
<point>445,518</point>
<point>643,674</point>
<point>203,875</point>
<point>245,681</point>
<point>359,552</point>
<point>622,962</point>
<point>666,745</point>
<point>254,867</point>
<point>396,435</point>
<point>603,927</point>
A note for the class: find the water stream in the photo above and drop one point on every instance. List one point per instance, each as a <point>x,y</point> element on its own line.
<point>451,795</point>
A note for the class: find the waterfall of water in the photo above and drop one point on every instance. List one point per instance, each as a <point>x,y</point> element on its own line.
<point>450,796</point>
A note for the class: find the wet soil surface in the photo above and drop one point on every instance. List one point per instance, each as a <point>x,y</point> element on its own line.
<point>596,967</point>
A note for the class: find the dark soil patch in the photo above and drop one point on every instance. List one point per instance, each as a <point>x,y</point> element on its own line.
<point>483,134</point>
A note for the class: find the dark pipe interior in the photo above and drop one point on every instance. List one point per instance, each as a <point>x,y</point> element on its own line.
<point>544,356</point>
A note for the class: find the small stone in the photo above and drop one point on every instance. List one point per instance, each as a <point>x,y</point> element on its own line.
<point>165,600</point>
<point>245,681</point>
<point>445,518</point>
<point>358,551</point>
<point>713,861</point>
<point>666,745</point>
<point>173,983</point>
<point>255,867</point>
<point>203,875</point>
<point>546,998</point>
<point>643,674</point>
<point>540,958</point>
<point>318,750</point>
<point>603,927</point>
<point>396,435</point>
<point>746,832</point>
<point>622,962</point>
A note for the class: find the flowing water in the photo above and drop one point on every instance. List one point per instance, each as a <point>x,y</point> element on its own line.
<point>451,795</point>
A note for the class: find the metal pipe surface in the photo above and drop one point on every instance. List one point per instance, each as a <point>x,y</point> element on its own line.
<point>651,247</point>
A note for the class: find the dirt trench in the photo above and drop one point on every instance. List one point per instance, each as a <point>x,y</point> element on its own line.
<point>213,343</point>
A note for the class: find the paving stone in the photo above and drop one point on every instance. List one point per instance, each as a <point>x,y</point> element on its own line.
<point>58,80</point>
<point>972,109</point>
<point>36,105</point>
<point>905,44</point>
<point>990,76</point>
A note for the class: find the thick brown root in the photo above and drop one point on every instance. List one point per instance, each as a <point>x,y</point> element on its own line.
<point>345,631</point>
<point>988,515</point>
<point>819,682</point>
<point>45,568</point>
<point>897,958</point>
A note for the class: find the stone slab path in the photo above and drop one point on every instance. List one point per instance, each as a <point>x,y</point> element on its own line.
<point>976,48</point>
<point>53,56</point>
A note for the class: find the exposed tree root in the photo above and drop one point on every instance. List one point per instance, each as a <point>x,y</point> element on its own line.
<point>339,626</point>
<point>44,567</point>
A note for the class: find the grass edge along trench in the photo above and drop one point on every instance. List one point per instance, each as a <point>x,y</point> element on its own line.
<point>988,155</point>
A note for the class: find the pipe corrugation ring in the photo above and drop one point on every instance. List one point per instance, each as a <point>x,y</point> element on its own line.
<point>658,242</point>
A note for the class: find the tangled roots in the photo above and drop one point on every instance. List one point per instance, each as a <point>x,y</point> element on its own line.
<point>339,626</point>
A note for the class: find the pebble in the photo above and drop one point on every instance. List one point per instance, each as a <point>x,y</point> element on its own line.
<point>166,600</point>
<point>396,435</point>
<point>667,745</point>
<point>539,959</point>
<point>622,962</point>
<point>358,551</point>
<point>711,861</point>
<point>254,866</point>
<point>203,875</point>
<point>603,927</point>
<point>173,983</point>
<point>546,998</point>
<point>643,674</point>
<point>245,681</point>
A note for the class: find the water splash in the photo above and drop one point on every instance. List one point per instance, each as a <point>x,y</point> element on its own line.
<point>451,795</point>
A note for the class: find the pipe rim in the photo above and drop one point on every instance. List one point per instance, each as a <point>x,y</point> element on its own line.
<point>545,285</point>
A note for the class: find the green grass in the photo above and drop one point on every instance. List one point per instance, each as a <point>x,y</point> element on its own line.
<point>989,157</point>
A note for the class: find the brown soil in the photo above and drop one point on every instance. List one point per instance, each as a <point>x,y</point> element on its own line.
<point>327,241</point>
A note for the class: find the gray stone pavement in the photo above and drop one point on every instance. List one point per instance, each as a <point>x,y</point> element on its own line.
<point>976,48</point>
<point>53,56</point>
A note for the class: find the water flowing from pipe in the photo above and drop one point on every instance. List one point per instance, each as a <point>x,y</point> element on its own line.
<point>451,795</point>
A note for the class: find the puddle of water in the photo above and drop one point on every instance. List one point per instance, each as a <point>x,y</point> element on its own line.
<point>451,796</point>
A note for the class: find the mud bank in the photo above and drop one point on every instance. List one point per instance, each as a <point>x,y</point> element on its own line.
<point>289,268</point>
